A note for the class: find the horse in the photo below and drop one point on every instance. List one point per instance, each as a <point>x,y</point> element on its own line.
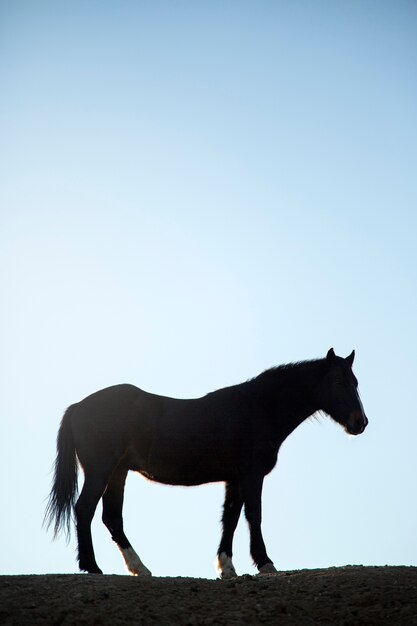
<point>231,435</point>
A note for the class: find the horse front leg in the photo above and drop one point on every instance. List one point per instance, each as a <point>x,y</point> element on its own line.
<point>231,512</point>
<point>252,497</point>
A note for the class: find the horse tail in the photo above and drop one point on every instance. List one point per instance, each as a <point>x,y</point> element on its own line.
<point>65,484</point>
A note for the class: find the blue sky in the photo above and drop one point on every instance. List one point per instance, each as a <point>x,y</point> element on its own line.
<point>192,192</point>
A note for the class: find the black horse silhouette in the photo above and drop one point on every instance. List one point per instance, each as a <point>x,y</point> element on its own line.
<point>231,435</point>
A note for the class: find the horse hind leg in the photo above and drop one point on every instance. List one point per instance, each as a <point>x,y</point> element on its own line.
<point>231,512</point>
<point>113,520</point>
<point>84,512</point>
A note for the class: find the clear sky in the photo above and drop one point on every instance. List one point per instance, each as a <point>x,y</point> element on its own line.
<point>192,192</point>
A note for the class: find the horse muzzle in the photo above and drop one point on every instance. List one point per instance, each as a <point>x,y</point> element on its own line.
<point>356,423</point>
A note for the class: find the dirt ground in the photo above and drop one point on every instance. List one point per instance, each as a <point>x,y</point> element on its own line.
<point>352,595</point>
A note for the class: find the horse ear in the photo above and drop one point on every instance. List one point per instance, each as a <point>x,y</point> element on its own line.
<point>331,357</point>
<point>351,358</point>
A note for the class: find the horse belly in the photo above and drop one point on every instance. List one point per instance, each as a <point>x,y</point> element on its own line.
<point>173,462</point>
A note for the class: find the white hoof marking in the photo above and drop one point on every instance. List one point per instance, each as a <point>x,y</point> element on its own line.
<point>133,563</point>
<point>224,566</point>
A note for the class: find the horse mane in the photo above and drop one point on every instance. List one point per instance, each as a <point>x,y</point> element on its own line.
<point>286,376</point>
<point>281,371</point>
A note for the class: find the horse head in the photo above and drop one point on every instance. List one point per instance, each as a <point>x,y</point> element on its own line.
<point>339,396</point>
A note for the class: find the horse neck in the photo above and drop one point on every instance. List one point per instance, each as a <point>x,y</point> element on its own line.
<point>289,393</point>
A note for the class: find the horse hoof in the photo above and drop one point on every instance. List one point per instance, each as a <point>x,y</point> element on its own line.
<point>227,574</point>
<point>143,572</point>
<point>91,570</point>
<point>134,565</point>
<point>225,566</point>
<point>268,568</point>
